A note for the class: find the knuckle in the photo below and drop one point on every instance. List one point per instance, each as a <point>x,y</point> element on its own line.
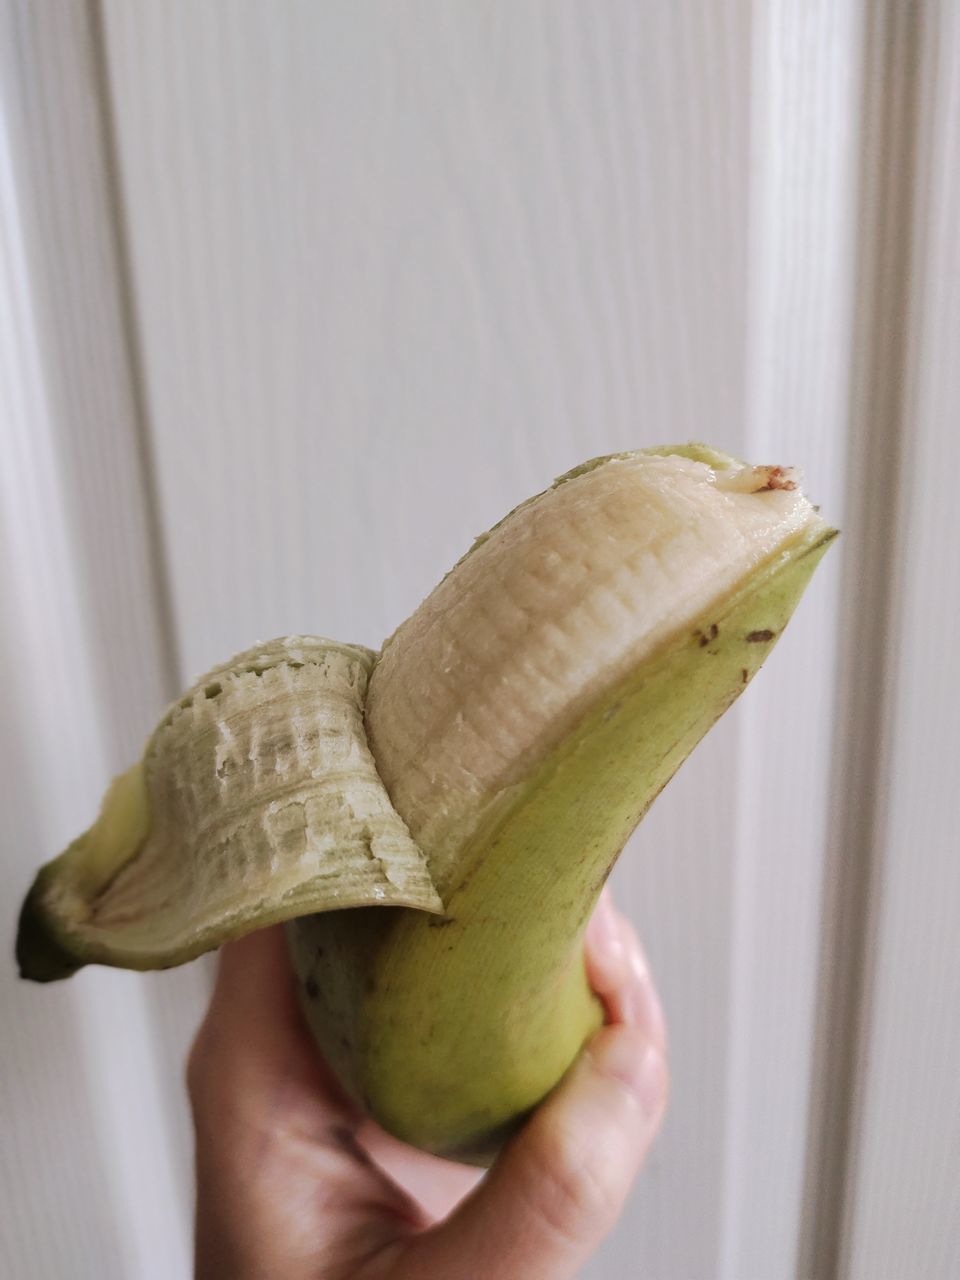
<point>569,1189</point>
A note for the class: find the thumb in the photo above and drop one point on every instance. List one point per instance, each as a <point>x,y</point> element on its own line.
<point>560,1184</point>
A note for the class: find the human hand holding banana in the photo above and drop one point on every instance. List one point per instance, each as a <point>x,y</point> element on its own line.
<point>293,1181</point>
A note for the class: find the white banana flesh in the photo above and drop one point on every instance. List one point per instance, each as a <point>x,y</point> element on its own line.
<point>550,608</point>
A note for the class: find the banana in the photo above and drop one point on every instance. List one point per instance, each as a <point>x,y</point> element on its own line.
<point>465,792</point>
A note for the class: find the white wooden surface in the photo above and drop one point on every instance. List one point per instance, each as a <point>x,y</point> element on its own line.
<point>94,1156</point>
<point>902,1211</point>
<point>300,297</point>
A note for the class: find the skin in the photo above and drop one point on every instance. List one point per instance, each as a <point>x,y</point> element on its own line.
<point>294,1184</point>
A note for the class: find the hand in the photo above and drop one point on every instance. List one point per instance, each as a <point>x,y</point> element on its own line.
<point>293,1183</point>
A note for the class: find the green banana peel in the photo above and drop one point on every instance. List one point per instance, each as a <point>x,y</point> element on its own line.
<point>466,793</point>
<point>400,1027</point>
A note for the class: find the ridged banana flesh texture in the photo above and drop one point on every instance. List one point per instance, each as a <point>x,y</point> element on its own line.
<point>465,792</point>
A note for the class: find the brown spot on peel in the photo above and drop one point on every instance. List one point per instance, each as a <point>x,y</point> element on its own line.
<point>760,637</point>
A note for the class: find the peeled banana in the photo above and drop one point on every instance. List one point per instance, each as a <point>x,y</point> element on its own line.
<point>465,792</point>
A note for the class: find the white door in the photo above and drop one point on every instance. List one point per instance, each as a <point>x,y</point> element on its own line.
<point>297,297</point>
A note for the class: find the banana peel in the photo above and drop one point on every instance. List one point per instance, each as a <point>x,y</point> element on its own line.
<point>256,800</point>
<point>435,823</point>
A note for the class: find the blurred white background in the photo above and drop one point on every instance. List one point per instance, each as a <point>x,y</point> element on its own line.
<point>296,298</point>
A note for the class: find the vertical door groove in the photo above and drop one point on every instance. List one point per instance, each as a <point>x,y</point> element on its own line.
<point>874,501</point>
<point>172,677</point>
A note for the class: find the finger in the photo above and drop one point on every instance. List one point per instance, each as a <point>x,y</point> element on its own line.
<point>277,1156</point>
<point>604,950</point>
<point>559,1186</point>
<point>253,1045</point>
<point>254,985</point>
<point>636,1000</point>
<point>619,972</point>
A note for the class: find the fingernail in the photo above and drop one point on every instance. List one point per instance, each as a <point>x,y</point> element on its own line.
<point>625,1055</point>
